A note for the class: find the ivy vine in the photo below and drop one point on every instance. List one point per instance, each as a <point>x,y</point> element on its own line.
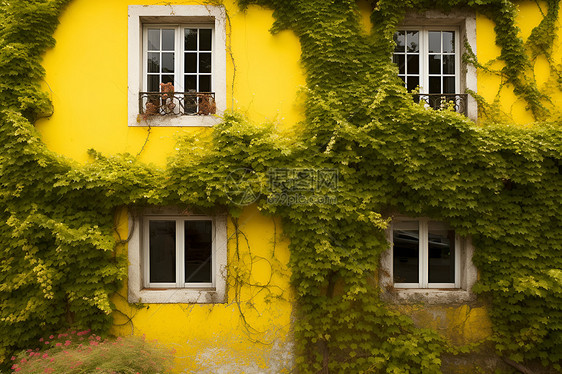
<point>499,184</point>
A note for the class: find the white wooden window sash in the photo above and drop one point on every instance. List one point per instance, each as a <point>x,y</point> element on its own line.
<point>179,53</point>
<point>180,253</point>
<point>424,55</point>
<point>423,258</point>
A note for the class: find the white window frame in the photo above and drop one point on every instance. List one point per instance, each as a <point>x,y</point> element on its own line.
<point>139,287</point>
<point>423,256</point>
<point>465,22</point>
<point>141,16</point>
<point>424,55</point>
<point>424,292</point>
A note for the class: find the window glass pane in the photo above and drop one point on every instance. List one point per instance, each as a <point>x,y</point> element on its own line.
<point>204,83</point>
<point>168,39</point>
<point>413,82</point>
<point>162,251</point>
<point>413,64</point>
<point>448,84</point>
<point>205,39</point>
<point>434,41</point>
<point>153,62</point>
<point>191,83</point>
<point>168,79</point>
<point>204,62</point>
<point>190,39</point>
<point>434,85</point>
<point>405,237</point>
<point>153,39</point>
<point>153,83</point>
<point>198,251</point>
<point>448,64</point>
<point>400,40</point>
<point>191,62</point>
<point>167,62</point>
<point>441,253</point>
<point>412,41</point>
<point>449,41</point>
<point>400,61</point>
<point>434,64</point>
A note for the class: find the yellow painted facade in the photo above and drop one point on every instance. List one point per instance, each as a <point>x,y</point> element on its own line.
<point>87,79</point>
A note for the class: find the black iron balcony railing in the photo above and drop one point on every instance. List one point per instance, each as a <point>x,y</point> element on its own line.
<point>176,103</point>
<point>441,101</point>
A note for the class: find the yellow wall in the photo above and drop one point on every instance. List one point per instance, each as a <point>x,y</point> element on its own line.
<point>489,84</point>
<point>250,332</point>
<point>87,78</point>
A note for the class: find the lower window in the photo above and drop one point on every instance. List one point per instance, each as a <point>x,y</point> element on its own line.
<point>177,258</point>
<point>425,254</point>
<point>179,252</point>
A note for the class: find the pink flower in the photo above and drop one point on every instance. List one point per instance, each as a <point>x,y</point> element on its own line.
<point>17,369</point>
<point>23,361</point>
<point>13,358</point>
<point>93,343</point>
<point>45,355</point>
<point>46,342</point>
<point>58,345</point>
<point>85,332</point>
<point>68,342</point>
<point>98,338</point>
<point>41,339</point>
<point>51,337</point>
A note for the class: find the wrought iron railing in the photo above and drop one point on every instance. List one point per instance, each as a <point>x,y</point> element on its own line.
<point>441,101</point>
<point>176,103</point>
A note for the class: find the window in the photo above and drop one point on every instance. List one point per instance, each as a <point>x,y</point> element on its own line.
<point>429,59</point>
<point>180,56</point>
<point>427,261</point>
<point>177,258</point>
<point>425,254</point>
<point>428,51</point>
<point>177,65</point>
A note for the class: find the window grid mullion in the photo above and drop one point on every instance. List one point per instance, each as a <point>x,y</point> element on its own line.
<point>424,58</point>
<point>178,60</point>
<point>424,258</point>
<point>180,253</point>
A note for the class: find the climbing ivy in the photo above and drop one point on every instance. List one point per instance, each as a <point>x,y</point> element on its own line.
<point>499,184</point>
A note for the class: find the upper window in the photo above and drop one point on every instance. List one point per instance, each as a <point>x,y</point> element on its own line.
<point>429,59</point>
<point>177,258</point>
<point>177,65</point>
<point>425,254</point>
<point>178,77</point>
